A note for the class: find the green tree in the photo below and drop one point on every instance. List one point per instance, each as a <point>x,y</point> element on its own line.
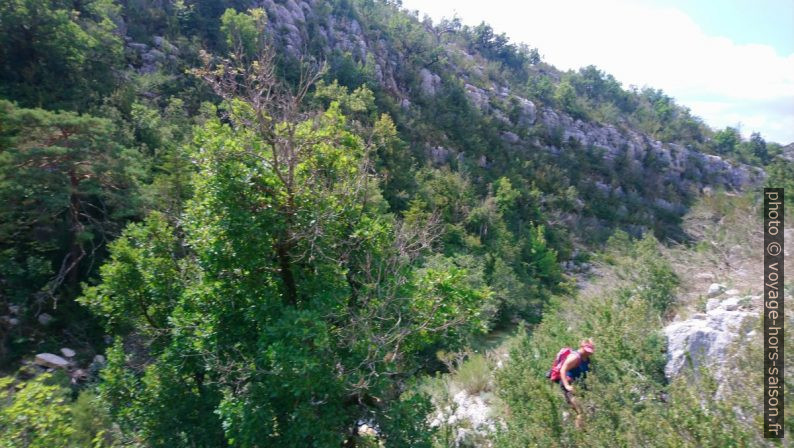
<point>727,140</point>
<point>293,307</point>
<point>58,54</point>
<point>244,31</point>
<point>34,414</point>
<point>67,185</point>
<point>566,99</point>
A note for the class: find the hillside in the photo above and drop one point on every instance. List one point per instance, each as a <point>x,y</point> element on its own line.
<point>236,223</point>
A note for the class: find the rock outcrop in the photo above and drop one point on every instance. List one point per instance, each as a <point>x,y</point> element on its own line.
<point>471,415</point>
<point>705,339</point>
<point>50,360</point>
<point>297,23</point>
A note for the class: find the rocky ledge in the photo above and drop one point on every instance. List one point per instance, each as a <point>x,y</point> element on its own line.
<point>704,339</point>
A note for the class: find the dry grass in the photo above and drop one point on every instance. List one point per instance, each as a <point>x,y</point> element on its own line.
<point>727,248</point>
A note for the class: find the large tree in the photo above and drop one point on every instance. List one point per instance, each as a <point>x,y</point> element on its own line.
<point>58,54</point>
<point>288,306</point>
<point>65,184</point>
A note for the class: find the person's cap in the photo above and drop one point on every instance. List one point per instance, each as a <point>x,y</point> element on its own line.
<point>588,347</point>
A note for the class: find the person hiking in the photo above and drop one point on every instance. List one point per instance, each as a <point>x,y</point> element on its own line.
<point>568,366</point>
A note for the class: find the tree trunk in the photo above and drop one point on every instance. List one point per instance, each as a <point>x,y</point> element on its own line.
<point>76,253</point>
<point>285,270</point>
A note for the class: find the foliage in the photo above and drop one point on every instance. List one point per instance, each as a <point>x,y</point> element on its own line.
<point>295,298</point>
<point>67,185</point>
<point>34,414</point>
<point>243,31</point>
<point>278,246</point>
<point>626,398</point>
<point>58,54</point>
<point>781,175</point>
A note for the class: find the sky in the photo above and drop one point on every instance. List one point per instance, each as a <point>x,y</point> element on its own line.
<point>731,61</point>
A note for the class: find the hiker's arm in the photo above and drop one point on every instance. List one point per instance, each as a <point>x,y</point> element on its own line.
<point>570,363</point>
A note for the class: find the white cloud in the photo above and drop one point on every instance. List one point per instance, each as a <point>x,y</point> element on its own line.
<point>723,82</point>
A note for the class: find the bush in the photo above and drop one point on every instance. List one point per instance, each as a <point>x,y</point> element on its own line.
<point>474,374</point>
<point>627,400</point>
<point>34,414</point>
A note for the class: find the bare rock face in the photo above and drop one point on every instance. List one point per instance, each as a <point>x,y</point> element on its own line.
<point>478,97</point>
<point>705,337</point>
<point>430,82</point>
<point>51,361</point>
<point>528,112</point>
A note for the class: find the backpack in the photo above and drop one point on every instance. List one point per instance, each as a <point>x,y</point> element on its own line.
<point>554,373</point>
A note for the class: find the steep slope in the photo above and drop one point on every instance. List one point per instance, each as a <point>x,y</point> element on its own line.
<point>226,262</point>
<point>621,174</point>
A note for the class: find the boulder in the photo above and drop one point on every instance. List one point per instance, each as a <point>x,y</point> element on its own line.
<point>716,289</point>
<point>51,361</point>
<point>45,319</point>
<point>705,338</point>
<point>69,353</point>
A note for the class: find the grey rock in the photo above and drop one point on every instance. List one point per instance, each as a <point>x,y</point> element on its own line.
<point>430,82</point>
<point>50,360</point>
<point>164,45</point>
<point>153,55</point>
<point>510,137</point>
<point>139,47</point>
<point>716,289</point>
<point>478,97</point>
<point>704,339</point>
<point>528,114</point>
<point>731,303</point>
<point>45,319</point>
<point>69,353</point>
<point>8,320</point>
<point>440,155</point>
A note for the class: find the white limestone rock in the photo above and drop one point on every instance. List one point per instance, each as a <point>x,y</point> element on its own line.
<point>705,338</point>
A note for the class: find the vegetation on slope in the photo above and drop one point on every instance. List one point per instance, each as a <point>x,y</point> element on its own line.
<point>264,249</point>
